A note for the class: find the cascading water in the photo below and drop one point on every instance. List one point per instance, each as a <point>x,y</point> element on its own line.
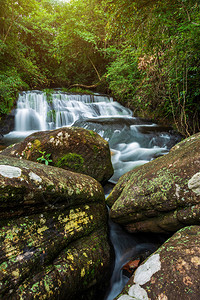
<point>126,247</point>
<point>31,112</point>
<point>39,111</point>
<point>132,141</point>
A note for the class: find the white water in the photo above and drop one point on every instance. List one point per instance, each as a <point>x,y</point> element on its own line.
<point>130,148</point>
<point>38,111</point>
<point>126,247</point>
<point>133,142</point>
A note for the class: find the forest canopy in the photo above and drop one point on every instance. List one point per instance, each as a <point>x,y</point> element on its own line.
<point>144,52</point>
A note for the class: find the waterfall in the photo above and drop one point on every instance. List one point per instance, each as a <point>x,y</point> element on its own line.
<point>41,111</point>
<point>133,141</point>
<point>31,113</point>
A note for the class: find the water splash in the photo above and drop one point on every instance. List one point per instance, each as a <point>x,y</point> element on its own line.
<point>133,141</point>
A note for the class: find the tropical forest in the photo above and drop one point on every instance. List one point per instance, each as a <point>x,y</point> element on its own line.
<point>99,149</point>
<point>144,53</point>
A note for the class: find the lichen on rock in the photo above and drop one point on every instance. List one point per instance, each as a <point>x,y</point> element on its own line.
<point>172,271</point>
<point>162,195</point>
<point>194,183</point>
<point>74,149</point>
<point>49,219</point>
<point>10,171</point>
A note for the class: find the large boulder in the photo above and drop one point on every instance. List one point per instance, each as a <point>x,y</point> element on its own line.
<point>53,232</point>
<point>162,195</point>
<point>71,148</point>
<point>172,272</point>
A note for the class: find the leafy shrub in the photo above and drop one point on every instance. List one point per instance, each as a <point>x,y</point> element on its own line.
<point>10,84</point>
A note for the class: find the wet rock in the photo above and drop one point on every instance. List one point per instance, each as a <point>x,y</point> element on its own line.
<point>75,149</point>
<point>130,267</point>
<point>30,187</point>
<point>53,232</point>
<point>172,272</point>
<point>162,195</point>
<point>7,123</point>
<point>142,126</point>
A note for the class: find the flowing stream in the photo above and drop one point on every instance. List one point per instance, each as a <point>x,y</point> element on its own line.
<point>133,142</point>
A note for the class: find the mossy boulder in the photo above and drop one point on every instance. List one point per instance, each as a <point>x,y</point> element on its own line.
<point>74,149</point>
<point>172,272</point>
<point>53,232</point>
<point>162,195</point>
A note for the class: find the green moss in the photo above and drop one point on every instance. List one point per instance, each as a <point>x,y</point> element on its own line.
<point>50,187</point>
<point>51,114</point>
<point>93,134</point>
<point>96,149</point>
<point>49,96</point>
<point>72,161</point>
<point>36,143</point>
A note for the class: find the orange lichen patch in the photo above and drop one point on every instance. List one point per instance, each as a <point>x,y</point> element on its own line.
<point>187,280</point>
<point>182,266</point>
<point>162,297</point>
<point>195,250</point>
<point>195,260</point>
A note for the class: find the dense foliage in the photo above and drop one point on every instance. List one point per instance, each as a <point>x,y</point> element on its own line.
<point>46,43</point>
<point>158,58</point>
<point>144,52</point>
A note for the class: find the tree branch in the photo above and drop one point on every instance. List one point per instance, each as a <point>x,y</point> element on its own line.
<point>95,69</point>
<point>85,86</point>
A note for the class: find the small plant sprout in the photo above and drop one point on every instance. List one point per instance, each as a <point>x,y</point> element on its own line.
<point>45,158</point>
